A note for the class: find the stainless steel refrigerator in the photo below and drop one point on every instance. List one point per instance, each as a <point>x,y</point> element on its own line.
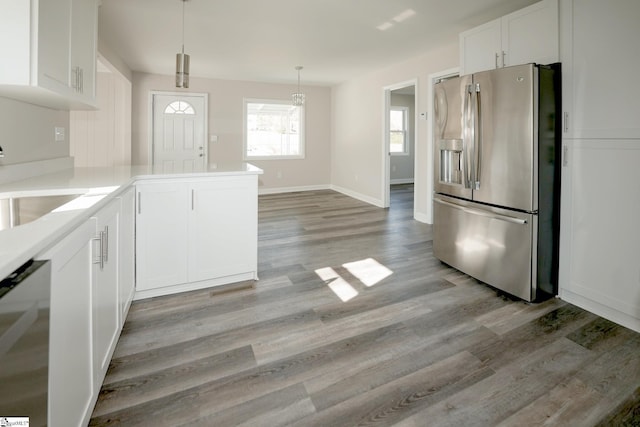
<point>496,199</point>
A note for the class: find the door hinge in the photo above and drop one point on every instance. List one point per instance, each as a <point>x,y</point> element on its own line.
<point>565,156</point>
<point>565,126</point>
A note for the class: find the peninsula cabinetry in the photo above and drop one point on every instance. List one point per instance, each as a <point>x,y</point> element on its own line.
<point>86,309</point>
<point>126,253</point>
<point>105,296</point>
<point>527,35</point>
<point>599,233</point>
<point>72,387</point>
<point>51,46</point>
<point>195,233</point>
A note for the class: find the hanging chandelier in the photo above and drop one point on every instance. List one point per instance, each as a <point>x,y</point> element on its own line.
<point>298,97</point>
<point>182,60</point>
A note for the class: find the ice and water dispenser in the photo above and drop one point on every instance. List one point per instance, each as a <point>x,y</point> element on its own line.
<point>450,161</point>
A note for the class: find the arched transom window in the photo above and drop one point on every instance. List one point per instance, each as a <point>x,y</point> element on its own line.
<point>179,107</point>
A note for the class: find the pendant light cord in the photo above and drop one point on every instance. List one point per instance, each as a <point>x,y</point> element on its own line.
<point>183,1</point>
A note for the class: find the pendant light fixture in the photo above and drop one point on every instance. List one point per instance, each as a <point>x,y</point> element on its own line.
<point>298,97</point>
<point>182,60</point>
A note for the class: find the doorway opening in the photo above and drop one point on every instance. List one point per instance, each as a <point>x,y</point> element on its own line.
<point>178,131</point>
<point>400,136</point>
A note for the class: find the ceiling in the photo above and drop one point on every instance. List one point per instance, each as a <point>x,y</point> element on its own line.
<point>263,40</point>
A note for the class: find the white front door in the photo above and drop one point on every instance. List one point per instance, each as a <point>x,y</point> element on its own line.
<point>179,132</point>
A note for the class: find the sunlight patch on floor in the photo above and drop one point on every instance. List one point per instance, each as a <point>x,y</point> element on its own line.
<point>367,271</point>
<point>337,284</point>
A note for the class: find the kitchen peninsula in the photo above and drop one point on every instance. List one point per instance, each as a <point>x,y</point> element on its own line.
<point>95,187</point>
<point>126,233</point>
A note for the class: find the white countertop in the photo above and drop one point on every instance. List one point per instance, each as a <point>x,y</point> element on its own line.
<point>97,186</point>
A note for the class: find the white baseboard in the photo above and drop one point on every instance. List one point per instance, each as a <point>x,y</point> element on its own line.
<point>278,190</point>
<point>419,216</point>
<point>402,181</point>
<point>20,171</point>
<point>359,196</point>
<point>185,287</point>
<point>601,310</point>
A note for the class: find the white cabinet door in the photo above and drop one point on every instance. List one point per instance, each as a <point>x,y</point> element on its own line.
<point>527,35</point>
<point>480,48</point>
<point>51,47</point>
<point>53,39</point>
<point>192,234</point>
<point>531,35</point>
<point>83,48</point>
<point>599,42</point>
<point>222,228</point>
<point>161,234</point>
<point>71,382</point>
<point>105,296</point>
<point>126,253</point>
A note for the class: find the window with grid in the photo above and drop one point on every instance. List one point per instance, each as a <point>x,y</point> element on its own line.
<point>274,129</point>
<point>398,122</point>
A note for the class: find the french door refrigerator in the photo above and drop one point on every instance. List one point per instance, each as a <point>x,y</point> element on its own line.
<point>496,198</point>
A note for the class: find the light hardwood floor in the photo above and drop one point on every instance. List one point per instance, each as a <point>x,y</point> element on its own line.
<point>416,343</point>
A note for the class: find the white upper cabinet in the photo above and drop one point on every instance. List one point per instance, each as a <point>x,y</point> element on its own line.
<point>50,47</point>
<point>481,48</point>
<point>600,62</point>
<point>527,35</point>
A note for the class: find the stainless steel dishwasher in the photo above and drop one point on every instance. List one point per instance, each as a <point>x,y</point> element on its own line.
<point>24,342</point>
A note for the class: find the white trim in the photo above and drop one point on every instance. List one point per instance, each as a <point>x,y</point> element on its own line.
<point>402,181</point>
<point>386,158</point>
<point>421,217</point>
<point>280,190</point>
<point>600,309</point>
<point>192,286</point>
<point>359,196</point>
<point>153,93</point>
<point>428,215</point>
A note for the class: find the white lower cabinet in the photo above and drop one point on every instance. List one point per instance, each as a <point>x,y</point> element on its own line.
<point>87,308</point>
<point>72,387</point>
<point>195,233</point>
<point>105,293</point>
<point>126,252</point>
<point>161,230</point>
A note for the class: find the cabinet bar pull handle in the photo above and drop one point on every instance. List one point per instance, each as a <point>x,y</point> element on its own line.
<point>496,59</point>
<point>98,259</point>
<point>193,196</point>
<point>139,203</point>
<point>566,121</point>
<point>503,61</point>
<point>105,247</point>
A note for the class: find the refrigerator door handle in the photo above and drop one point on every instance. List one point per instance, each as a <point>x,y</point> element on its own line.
<point>483,213</point>
<point>467,137</point>
<point>477,122</point>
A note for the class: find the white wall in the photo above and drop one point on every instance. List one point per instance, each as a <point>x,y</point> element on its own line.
<point>402,165</point>
<point>226,121</point>
<point>102,137</point>
<point>357,144</point>
<point>28,132</point>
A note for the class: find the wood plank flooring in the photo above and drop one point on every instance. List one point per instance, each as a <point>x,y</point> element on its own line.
<point>354,322</point>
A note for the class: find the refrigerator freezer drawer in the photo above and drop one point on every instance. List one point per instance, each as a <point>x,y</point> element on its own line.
<point>491,244</point>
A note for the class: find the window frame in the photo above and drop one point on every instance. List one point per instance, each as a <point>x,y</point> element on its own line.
<point>405,131</point>
<point>245,133</point>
